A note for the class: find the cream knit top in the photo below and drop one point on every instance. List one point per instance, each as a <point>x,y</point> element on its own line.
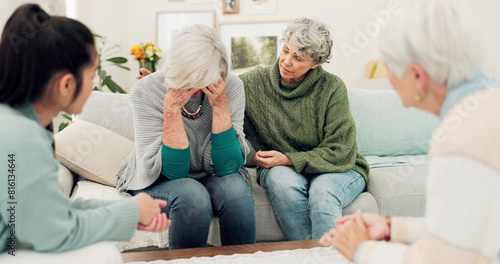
<point>462,219</point>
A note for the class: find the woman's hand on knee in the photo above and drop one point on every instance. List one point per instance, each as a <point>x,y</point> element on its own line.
<point>270,159</point>
<point>149,208</point>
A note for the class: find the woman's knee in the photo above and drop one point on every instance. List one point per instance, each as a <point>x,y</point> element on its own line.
<point>340,188</point>
<point>282,178</point>
<point>188,194</point>
<point>231,189</point>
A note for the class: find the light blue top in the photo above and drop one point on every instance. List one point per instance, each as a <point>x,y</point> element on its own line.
<point>35,212</point>
<point>457,93</point>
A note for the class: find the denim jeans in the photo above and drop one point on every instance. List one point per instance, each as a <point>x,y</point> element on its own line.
<point>306,207</point>
<point>192,203</point>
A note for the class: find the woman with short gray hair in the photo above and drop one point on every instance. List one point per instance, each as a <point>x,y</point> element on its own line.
<point>189,152</point>
<point>298,118</point>
<point>433,54</point>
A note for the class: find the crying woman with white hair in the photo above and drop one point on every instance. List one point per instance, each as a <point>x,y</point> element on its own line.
<point>189,142</point>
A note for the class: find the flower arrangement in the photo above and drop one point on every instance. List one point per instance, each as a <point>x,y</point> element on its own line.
<point>147,55</point>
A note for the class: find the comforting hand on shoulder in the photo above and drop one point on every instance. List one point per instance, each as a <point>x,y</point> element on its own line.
<point>269,159</point>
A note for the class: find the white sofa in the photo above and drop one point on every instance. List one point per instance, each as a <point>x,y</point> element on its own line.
<point>392,138</point>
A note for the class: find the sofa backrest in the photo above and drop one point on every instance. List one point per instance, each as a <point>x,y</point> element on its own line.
<point>110,110</point>
<point>383,126</point>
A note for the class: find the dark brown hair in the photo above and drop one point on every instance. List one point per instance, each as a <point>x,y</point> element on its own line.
<point>34,47</point>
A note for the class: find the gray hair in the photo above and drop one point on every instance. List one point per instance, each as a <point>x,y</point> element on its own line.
<point>312,37</point>
<point>439,35</point>
<point>196,58</point>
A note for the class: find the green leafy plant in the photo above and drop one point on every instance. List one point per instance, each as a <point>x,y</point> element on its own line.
<point>65,123</point>
<point>106,59</point>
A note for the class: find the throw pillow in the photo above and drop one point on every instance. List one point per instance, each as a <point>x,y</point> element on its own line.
<point>92,151</point>
<point>384,127</point>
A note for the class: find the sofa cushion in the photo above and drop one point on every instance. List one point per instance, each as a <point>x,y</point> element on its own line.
<point>385,128</point>
<point>399,190</point>
<point>92,151</point>
<point>110,110</point>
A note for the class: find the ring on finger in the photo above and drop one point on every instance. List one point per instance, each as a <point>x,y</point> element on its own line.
<point>215,90</point>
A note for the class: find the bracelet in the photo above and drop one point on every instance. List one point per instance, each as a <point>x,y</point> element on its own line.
<point>387,236</point>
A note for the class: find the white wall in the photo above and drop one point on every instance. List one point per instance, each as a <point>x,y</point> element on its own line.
<point>129,22</point>
<point>107,18</point>
<point>53,7</point>
<point>342,16</point>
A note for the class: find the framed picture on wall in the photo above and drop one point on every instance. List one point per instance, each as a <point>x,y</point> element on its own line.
<point>261,7</point>
<point>230,6</point>
<point>252,44</point>
<point>170,23</point>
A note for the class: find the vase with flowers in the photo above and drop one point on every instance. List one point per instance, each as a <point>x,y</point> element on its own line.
<point>147,55</point>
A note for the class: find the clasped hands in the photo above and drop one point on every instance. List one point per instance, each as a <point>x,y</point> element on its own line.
<point>352,230</point>
<point>272,158</point>
<point>150,216</point>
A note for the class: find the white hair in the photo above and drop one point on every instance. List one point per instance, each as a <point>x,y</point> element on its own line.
<point>196,58</point>
<point>439,35</point>
<point>311,37</point>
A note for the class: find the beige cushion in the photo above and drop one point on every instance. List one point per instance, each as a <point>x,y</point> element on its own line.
<point>92,151</point>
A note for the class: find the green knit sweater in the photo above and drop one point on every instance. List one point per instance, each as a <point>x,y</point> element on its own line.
<point>309,121</point>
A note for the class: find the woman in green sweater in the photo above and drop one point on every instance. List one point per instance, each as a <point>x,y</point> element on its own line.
<point>297,116</point>
<point>47,65</point>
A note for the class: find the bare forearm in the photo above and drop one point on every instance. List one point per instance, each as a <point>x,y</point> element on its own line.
<point>174,134</point>
<point>221,119</point>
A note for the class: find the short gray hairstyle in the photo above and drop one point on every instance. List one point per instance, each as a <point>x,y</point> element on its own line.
<point>439,35</point>
<point>196,58</point>
<point>312,37</point>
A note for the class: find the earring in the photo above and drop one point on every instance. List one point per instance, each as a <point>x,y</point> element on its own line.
<point>417,98</point>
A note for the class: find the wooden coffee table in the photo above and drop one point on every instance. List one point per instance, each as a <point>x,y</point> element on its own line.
<point>214,251</point>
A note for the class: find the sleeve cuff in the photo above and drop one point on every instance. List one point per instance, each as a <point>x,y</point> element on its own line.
<point>175,162</point>
<point>298,160</point>
<point>227,156</point>
<point>127,209</point>
<point>224,139</point>
<point>358,250</point>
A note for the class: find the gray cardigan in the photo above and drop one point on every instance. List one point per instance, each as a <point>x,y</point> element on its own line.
<point>143,166</point>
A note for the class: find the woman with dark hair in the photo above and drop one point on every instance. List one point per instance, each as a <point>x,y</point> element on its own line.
<point>47,65</point>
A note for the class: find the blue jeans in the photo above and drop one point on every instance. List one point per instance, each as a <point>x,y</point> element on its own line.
<point>192,203</point>
<point>306,207</point>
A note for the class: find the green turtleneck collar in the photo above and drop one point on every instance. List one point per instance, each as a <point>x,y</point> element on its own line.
<point>294,90</point>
